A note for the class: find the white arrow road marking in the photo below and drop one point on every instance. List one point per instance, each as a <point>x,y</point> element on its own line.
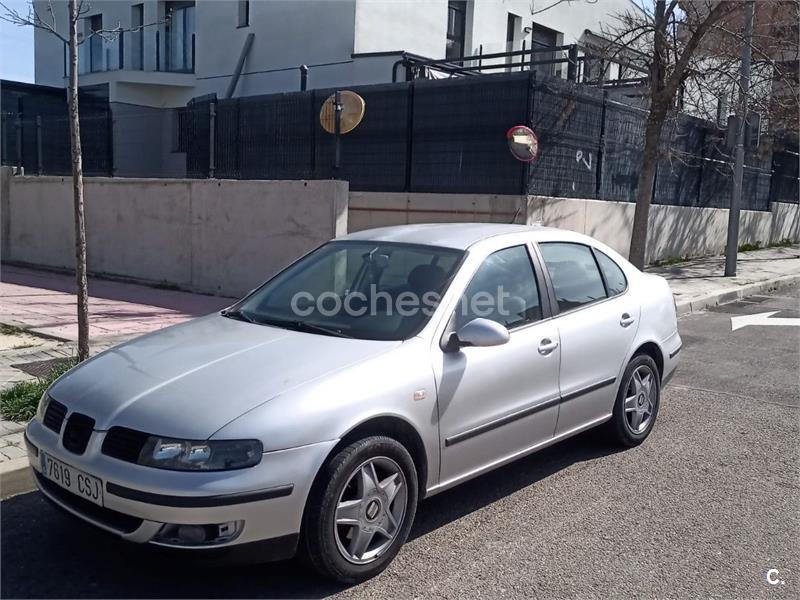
<point>762,319</point>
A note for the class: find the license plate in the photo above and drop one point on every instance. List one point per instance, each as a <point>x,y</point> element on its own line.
<point>68,477</point>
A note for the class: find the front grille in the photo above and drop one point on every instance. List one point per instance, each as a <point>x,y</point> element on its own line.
<point>77,433</point>
<point>110,518</point>
<point>54,415</point>
<point>124,444</point>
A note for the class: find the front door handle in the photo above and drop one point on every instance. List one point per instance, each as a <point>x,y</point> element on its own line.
<point>626,320</point>
<point>546,346</point>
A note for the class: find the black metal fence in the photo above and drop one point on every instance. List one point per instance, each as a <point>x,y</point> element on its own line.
<point>445,136</point>
<point>448,136</point>
<point>34,130</point>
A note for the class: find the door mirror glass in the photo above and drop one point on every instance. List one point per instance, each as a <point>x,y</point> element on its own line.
<point>482,332</point>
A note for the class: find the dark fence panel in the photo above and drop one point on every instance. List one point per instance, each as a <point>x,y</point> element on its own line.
<point>458,135</point>
<point>568,120</point>
<point>276,137</point>
<point>373,156</point>
<point>785,173</point>
<point>623,141</point>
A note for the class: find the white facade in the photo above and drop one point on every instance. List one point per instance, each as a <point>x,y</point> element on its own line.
<point>343,42</point>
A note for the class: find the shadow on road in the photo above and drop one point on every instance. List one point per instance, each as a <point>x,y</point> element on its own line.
<point>48,554</point>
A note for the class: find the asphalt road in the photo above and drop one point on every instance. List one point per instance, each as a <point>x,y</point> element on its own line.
<point>703,509</point>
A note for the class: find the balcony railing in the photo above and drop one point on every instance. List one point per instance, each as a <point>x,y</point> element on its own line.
<point>136,51</point>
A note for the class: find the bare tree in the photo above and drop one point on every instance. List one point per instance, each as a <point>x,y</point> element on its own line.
<point>669,35</point>
<point>691,51</point>
<point>49,22</point>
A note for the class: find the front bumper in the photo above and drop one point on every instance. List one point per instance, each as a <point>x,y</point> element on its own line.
<point>138,501</point>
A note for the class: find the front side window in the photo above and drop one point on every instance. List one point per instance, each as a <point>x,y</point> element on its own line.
<point>574,273</point>
<point>503,289</point>
<point>359,289</point>
<point>615,278</point>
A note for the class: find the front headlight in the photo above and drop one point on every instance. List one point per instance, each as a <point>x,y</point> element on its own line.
<point>42,406</point>
<point>210,455</point>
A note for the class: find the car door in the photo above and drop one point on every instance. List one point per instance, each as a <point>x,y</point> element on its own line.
<point>497,401</point>
<point>597,322</point>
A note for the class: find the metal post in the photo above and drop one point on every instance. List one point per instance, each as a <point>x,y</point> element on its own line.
<point>522,56</point>
<point>121,49</point>
<point>409,136</point>
<point>572,64</point>
<point>337,131</point>
<point>18,125</point>
<point>158,51</point>
<point>212,125</point>
<point>303,78</point>
<point>732,246</point>
<point>38,144</point>
<point>598,181</point>
<point>480,55</point>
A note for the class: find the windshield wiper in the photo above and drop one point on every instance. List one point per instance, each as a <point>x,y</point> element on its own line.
<point>305,326</point>
<point>238,315</point>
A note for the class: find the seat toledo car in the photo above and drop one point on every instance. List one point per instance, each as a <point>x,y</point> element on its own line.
<point>381,368</point>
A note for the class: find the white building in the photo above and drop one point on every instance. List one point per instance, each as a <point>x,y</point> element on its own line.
<point>172,51</point>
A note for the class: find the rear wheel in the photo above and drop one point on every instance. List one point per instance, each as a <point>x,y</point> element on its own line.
<point>637,402</point>
<point>361,509</point>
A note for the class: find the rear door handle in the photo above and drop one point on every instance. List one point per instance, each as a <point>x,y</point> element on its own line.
<point>546,346</point>
<point>626,320</point>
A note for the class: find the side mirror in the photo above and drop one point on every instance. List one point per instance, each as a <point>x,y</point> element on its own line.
<point>478,332</point>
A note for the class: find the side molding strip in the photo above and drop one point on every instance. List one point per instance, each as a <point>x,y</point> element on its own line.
<point>675,353</point>
<point>470,433</point>
<point>592,388</point>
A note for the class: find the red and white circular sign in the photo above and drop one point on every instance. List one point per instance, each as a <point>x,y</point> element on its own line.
<point>523,143</point>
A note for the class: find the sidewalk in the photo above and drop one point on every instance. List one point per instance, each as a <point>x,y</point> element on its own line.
<point>699,283</point>
<point>43,303</point>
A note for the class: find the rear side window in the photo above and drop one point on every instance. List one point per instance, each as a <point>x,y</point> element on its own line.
<point>574,273</point>
<point>615,278</point>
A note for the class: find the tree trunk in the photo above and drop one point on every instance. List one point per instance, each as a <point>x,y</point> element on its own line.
<point>644,190</point>
<point>77,187</point>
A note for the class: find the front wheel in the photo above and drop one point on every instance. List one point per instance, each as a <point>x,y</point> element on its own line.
<point>361,509</point>
<point>637,402</point>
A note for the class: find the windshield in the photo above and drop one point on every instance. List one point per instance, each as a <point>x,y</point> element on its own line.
<point>359,289</point>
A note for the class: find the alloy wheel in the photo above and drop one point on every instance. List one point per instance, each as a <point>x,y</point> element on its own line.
<point>370,510</point>
<point>640,399</point>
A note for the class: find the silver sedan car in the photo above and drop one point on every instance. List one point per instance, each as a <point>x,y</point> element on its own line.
<point>383,367</point>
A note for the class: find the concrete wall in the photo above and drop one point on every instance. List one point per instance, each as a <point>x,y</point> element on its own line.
<point>379,209</point>
<point>219,237</point>
<point>674,231</point>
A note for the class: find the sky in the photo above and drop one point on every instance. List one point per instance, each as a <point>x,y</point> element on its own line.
<point>16,46</point>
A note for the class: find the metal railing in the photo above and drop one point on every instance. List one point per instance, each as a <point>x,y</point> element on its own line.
<point>580,63</point>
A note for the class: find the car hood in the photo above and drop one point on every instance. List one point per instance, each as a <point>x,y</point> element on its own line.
<point>189,380</point>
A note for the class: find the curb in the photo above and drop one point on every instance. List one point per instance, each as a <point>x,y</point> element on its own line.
<point>15,478</point>
<point>734,293</point>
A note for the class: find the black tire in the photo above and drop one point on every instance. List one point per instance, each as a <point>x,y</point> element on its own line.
<point>619,428</point>
<point>319,541</point>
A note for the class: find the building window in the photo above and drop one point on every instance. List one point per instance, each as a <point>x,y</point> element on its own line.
<point>456,28</point>
<point>93,25</point>
<point>244,13</point>
<point>137,37</point>
<point>541,39</point>
<point>180,42</point>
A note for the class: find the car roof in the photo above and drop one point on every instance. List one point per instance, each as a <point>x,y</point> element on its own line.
<point>448,235</point>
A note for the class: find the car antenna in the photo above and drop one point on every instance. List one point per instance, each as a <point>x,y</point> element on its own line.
<point>516,214</point>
